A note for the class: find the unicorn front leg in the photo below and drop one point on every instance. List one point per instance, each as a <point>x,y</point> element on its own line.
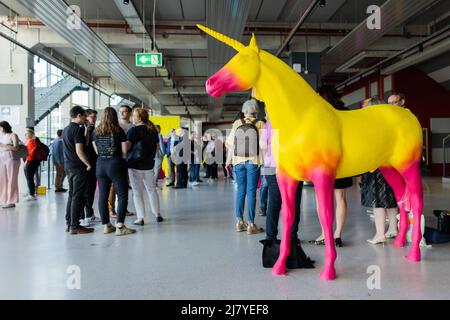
<point>288,188</point>
<point>324,188</point>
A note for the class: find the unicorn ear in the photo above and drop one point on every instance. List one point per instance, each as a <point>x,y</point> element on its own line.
<point>253,43</point>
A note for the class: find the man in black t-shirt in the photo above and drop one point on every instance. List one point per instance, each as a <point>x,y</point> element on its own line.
<point>77,166</point>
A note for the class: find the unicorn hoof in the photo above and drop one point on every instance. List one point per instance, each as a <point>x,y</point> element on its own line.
<point>328,274</point>
<point>413,256</point>
<point>399,243</point>
<point>279,270</point>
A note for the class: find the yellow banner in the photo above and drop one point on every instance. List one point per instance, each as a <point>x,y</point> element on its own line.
<point>166,123</point>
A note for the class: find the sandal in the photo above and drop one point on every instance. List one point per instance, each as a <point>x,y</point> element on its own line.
<point>318,242</point>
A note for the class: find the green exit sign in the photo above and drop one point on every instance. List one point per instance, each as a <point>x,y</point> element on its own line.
<point>153,59</point>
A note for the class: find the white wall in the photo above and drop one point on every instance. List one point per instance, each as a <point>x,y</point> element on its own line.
<point>16,68</point>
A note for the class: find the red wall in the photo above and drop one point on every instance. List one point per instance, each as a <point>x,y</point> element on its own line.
<point>425,98</point>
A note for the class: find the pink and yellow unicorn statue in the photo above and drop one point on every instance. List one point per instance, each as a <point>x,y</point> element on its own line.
<point>319,143</point>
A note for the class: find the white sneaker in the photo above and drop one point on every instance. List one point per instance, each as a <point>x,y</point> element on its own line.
<point>195,183</point>
<point>85,222</point>
<point>29,198</point>
<point>93,219</point>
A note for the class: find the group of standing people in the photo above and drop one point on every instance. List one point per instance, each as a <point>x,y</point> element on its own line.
<point>119,157</point>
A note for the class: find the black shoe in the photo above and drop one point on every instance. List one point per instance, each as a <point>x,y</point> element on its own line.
<point>81,230</point>
<point>61,190</point>
<point>170,184</point>
<point>159,219</point>
<point>338,242</point>
<point>138,222</point>
<point>199,180</point>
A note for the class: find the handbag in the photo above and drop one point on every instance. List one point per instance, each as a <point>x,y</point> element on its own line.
<point>20,153</point>
<point>443,220</point>
<point>137,153</point>
<point>297,257</point>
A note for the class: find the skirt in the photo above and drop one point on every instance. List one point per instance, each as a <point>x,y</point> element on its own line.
<point>376,192</point>
<point>343,183</point>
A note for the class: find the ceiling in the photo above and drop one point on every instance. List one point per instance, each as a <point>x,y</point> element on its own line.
<point>186,54</point>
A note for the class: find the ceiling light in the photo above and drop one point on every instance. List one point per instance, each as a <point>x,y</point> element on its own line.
<point>322,3</point>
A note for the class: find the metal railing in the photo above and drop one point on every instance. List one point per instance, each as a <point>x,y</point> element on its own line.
<point>444,150</point>
<point>47,167</point>
<point>46,80</point>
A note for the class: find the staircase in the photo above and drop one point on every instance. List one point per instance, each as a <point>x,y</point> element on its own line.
<point>49,98</point>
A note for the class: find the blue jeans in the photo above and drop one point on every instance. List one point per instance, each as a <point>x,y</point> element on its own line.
<point>247,175</point>
<point>194,172</point>
<point>263,193</point>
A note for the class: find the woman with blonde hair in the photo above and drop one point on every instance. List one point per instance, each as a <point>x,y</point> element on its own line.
<point>109,143</point>
<point>32,163</point>
<point>143,141</point>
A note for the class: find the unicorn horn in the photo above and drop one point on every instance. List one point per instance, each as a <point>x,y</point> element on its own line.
<point>236,45</point>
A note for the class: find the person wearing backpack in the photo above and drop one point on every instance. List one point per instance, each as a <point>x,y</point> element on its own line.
<point>243,143</point>
<point>32,163</point>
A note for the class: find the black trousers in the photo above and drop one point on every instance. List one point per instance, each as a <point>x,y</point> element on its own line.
<point>112,171</point>
<point>225,172</point>
<point>182,175</point>
<point>211,171</point>
<point>90,193</point>
<point>274,207</point>
<point>30,171</point>
<point>77,178</point>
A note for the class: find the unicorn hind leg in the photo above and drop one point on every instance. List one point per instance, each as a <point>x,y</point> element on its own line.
<point>413,180</point>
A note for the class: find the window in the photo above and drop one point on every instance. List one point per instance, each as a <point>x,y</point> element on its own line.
<point>80,98</point>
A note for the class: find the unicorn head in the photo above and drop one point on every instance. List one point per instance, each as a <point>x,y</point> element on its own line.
<point>240,73</point>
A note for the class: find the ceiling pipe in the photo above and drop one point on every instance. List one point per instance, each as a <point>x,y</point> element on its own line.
<point>384,63</point>
<point>303,16</point>
<point>262,31</point>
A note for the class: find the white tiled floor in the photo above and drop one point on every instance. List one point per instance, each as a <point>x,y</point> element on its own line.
<point>196,254</point>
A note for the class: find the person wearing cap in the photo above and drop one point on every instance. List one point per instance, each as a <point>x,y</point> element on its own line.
<point>246,164</point>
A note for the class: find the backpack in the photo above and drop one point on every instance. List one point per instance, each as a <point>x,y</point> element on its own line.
<point>42,151</point>
<point>20,153</point>
<point>246,140</point>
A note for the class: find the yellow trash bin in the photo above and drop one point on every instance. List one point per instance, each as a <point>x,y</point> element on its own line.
<point>41,190</point>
